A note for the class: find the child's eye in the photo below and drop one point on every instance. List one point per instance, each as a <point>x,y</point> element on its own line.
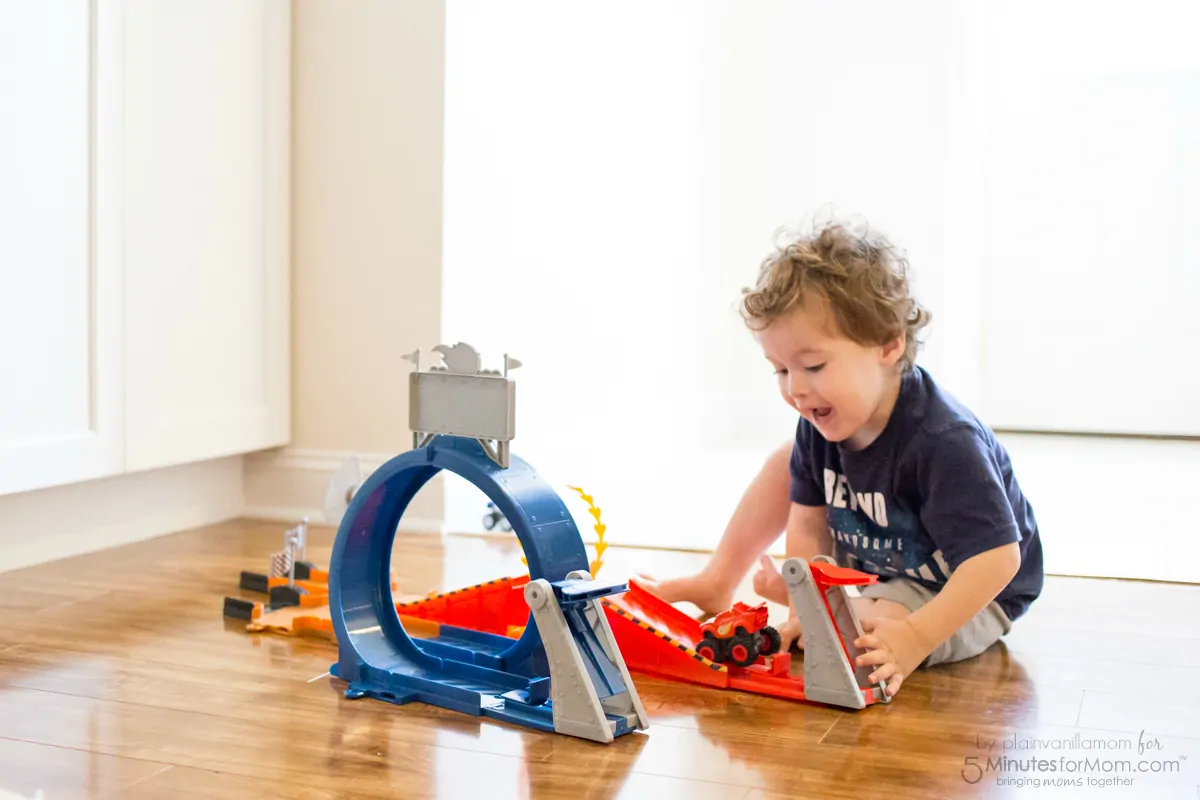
<point>816,368</point>
<point>781,371</point>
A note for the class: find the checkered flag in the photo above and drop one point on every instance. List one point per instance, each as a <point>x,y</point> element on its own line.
<point>282,563</point>
<point>294,541</point>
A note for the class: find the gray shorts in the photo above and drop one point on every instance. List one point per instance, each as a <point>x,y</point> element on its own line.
<point>981,631</point>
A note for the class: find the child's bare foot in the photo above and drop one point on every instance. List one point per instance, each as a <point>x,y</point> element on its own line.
<point>769,583</point>
<point>707,594</point>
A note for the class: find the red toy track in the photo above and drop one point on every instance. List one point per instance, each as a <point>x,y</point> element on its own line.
<point>655,638</point>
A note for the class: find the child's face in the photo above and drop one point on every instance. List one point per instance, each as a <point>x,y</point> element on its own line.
<point>845,389</point>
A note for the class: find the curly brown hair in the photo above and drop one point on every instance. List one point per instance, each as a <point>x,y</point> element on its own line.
<point>861,276</point>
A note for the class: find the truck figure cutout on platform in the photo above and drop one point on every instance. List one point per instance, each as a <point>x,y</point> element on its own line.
<point>739,636</point>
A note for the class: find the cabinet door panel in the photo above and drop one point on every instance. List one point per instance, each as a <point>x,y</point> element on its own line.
<point>60,371</point>
<point>206,226</point>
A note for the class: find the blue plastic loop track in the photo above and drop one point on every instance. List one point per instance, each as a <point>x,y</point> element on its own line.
<point>481,674</point>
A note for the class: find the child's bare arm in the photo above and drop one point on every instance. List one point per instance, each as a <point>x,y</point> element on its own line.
<point>898,646</point>
<point>971,587</point>
<point>807,532</point>
<point>807,536</point>
<point>760,516</point>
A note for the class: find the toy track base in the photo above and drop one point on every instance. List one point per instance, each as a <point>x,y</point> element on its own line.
<point>242,609</point>
<point>254,582</point>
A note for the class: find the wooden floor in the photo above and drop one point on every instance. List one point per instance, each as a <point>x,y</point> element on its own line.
<point>120,678</point>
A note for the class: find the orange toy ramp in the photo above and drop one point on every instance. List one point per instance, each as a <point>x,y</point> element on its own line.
<point>660,640</point>
<point>497,606</point>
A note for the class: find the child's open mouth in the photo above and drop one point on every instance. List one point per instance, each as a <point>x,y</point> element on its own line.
<point>821,414</point>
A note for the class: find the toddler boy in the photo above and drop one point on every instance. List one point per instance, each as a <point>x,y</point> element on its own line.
<point>887,473</point>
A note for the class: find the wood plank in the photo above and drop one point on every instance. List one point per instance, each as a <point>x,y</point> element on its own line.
<point>124,657</point>
<point>352,745</point>
<point>995,756</point>
<point>186,782</point>
<point>1103,620</point>
<point>475,775</point>
<point>1135,710</point>
<point>1135,647</point>
<point>33,770</point>
<point>1160,683</point>
<point>26,596</point>
<point>132,626</point>
<point>683,706</point>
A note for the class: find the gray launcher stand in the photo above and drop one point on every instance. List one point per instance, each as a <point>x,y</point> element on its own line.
<point>590,688</point>
<point>828,676</point>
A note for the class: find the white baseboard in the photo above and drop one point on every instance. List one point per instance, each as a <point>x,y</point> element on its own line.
<point>289,483</point>
<point>48,524</point>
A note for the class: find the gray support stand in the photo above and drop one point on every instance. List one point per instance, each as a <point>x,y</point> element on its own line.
<point>577,707</point>
<point>626,704</point>
<point>828,676</point>
<point>846,620</point>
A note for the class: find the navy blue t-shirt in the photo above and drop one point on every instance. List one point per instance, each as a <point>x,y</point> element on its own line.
<point>934,489</point>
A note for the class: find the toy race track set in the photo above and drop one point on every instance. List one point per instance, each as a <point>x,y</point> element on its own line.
<point>552,649</point>
<point>659,640</point>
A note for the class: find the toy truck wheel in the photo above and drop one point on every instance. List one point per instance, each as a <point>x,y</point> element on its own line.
<point>489,522</point>
<point>711,648</point>
<point>770,642</point>
<point>743,649</point>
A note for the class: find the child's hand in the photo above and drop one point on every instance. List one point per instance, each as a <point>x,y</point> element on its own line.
<point>893,645</point>
<point>769,583</point>
<point>790,632</point>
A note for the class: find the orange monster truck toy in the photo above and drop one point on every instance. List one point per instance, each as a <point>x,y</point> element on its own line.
<point>739,636</point>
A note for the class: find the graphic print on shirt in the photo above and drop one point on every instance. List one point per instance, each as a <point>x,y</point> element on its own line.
<point>875,537</point>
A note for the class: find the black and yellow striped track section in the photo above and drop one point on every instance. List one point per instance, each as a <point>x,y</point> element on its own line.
<point>669,640</point>
<point>455,592</point>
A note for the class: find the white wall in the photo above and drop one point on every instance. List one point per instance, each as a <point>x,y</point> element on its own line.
<point>612,179</point>
<point>1112,507</point>
<point>367,239</point>
<point>1074,284</point>
<point>602,215</point>
<point>1090,158</point>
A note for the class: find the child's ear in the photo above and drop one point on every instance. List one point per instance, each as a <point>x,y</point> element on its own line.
<point>893,350</point>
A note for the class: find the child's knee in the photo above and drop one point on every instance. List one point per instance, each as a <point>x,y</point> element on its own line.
<point>977,635</point>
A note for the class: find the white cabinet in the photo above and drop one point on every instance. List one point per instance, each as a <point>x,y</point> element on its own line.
<point>206,233</point>
<point>60,266</point>
<point>143,235</point>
